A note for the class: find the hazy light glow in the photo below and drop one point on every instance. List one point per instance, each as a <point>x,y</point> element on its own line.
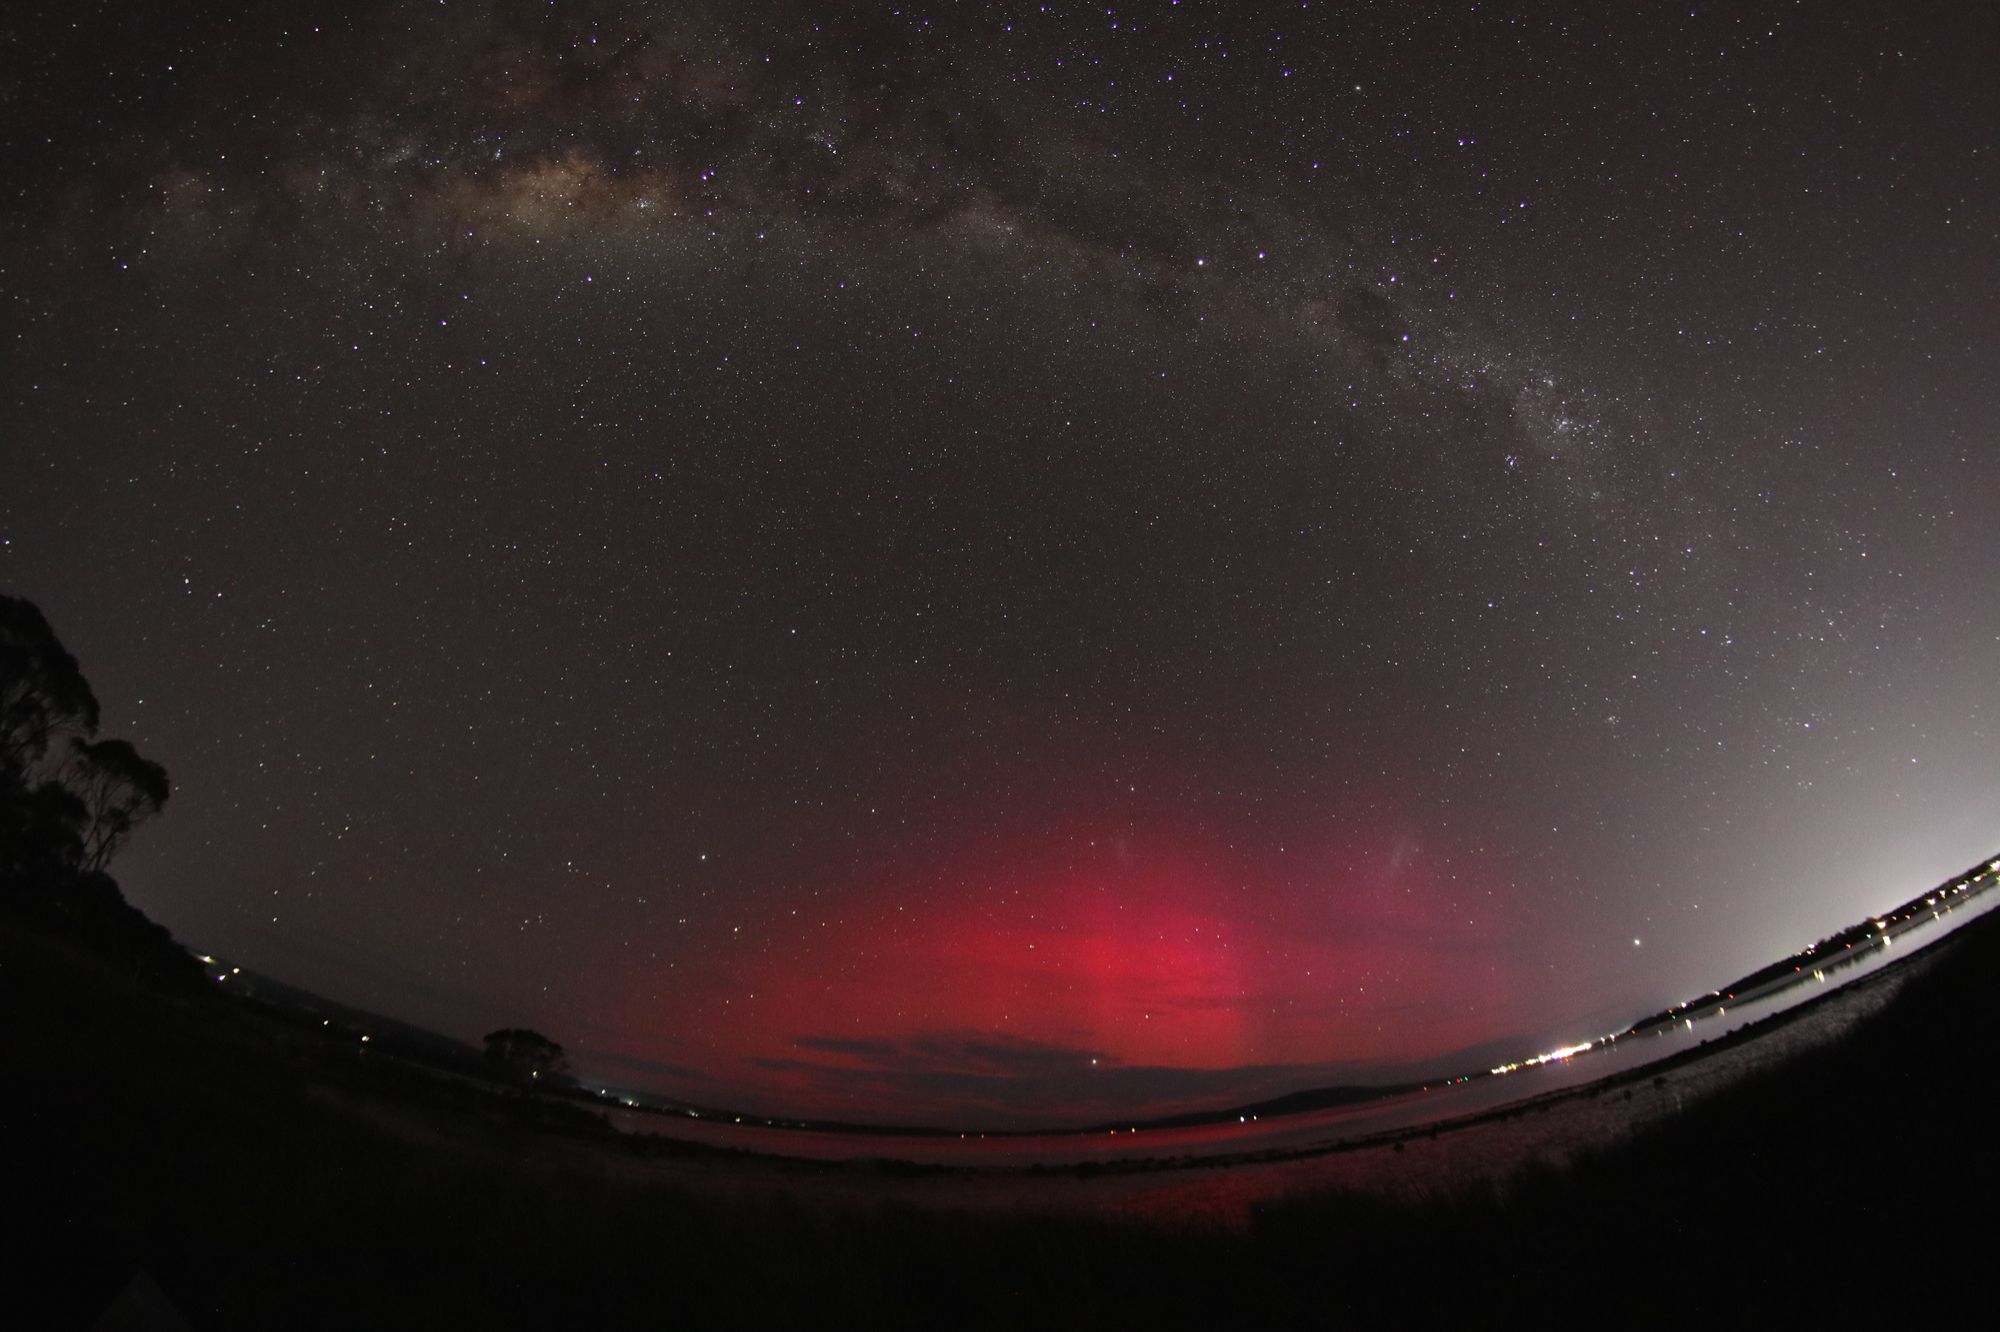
<point>994,568</point>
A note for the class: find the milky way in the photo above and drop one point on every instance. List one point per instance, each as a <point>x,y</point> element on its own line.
<point>1016,565</point>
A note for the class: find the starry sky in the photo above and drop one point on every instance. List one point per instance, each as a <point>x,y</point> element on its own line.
<point>1016,563</point>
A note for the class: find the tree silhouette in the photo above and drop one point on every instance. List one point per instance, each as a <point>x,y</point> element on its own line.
<point>523,1055</point>
<point>41,832</point>
<point>60,820</point>
<point>42,691</point>
<point>119,789</point>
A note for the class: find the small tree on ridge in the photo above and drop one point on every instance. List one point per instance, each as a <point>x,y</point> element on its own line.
<point>524,1056</point>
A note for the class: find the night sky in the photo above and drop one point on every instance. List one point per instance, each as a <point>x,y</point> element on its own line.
<point>1006,563</point>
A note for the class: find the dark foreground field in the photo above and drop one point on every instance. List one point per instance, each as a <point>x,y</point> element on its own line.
<point>170,1155</point>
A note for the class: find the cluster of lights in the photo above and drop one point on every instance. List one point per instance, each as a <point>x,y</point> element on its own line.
<point>1554,1056</point>
<point>205,959</point>
<point>1938,899</point>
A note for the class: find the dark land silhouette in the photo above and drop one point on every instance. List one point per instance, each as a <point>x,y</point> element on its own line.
<point>182,1150</point>
<point>261,1170</point>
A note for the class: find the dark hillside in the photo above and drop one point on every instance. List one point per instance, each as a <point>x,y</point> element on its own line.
<point>260,1175</point>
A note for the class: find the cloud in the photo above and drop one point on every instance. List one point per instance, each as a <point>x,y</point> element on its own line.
<point>963,1055</point>
<point>645,1068</point>
<point>986,1080</point>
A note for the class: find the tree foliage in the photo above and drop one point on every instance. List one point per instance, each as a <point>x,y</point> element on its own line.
<point>41,831</point>
<point>119,788</point>
<point>68,800</point>
<point>42,691</point>
<point>60,818</point>
<point>523,1055</point>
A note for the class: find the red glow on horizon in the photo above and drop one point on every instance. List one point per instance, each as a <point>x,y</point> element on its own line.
<point>1146,947</point>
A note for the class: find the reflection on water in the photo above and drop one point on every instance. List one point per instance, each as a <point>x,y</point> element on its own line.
<point>1334,1130</point>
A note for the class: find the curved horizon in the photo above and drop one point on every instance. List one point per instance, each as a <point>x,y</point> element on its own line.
<point>1015,563</point>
